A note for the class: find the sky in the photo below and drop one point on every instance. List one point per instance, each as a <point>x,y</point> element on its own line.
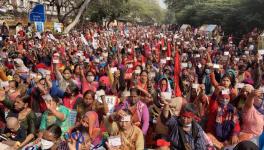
<point>162,4</point>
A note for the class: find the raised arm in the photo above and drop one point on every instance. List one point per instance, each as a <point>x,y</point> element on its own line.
<point>250,99</point>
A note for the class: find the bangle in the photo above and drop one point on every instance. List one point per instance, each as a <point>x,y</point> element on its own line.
<point>17,144</point>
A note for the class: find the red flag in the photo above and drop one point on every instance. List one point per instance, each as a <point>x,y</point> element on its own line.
<point>177,71</point>
<point>169,49</point>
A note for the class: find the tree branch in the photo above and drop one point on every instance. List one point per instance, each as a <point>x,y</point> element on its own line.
<point>73,9</point>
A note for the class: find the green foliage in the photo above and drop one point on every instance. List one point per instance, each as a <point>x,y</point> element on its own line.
<point>236,16</point>
<point>130,10</point>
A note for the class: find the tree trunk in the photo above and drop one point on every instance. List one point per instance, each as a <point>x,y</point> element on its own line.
<point>77,18</point>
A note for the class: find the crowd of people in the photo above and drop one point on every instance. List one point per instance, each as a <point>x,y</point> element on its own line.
<point>130,88</point>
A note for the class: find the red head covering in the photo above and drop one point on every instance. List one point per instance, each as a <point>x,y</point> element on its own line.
<point>162,143</point>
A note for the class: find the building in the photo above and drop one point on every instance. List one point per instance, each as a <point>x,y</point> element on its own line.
<point>14,11</point>
<point>27,5</point>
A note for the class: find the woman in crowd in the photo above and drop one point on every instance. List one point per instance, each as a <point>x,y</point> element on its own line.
<point>72,97</point>
<point>223,124</point>
<point>121,126</point>
<point>253,120</point>
<point>26,116</point>
<point>140,113</point>
<point>90,104</point>
<point>91,122</point>
<point>55,114</point>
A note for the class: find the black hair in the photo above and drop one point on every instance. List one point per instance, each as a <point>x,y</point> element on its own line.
<point>67,68</point>
<point>190,107</point>
<point>232,79</point>
<point>55,130</point>
<point>83,130</point>
<point>56,99</point>
<point>134,89</point>
<point>24,98</point>
<point>144,71</point>
<point>16,83</point>
<point>89,92</point>
<point>75,67</point>
<point>74,88</point>
<point>12,114</point>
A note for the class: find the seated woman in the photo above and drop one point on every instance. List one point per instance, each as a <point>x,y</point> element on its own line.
<point>55,114</point>
<point>26,116</point>
<point>51,139</point>
<point>91,122</point>
<point>87,142</point>
<point>253,120</point>
<point>13,90</point>
<point>90,104</point>
<point>72,97</point>
<point>227,82</point>
<point>140,112</point>
<point>223,124</point>
<point>120,125</point>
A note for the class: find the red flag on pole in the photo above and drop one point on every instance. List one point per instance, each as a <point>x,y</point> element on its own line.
<point>177,71</point>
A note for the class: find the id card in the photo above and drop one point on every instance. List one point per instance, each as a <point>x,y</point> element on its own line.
<point>216,66</point>
<point>225,92</point>
<point>114,141</point>
<point>113,70</point>
<point>166,95</point>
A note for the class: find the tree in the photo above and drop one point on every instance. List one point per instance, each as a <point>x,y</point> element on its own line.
<point>235,16</point>
<point>107,9</point>
<point>130,10</point>
<point>77,18</point>
<point>146,10</point>
<point>75,8</point>
<point>72,8</point>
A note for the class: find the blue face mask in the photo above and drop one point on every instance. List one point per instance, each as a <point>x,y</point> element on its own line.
<point>207,71</point>
<point>114,49</point>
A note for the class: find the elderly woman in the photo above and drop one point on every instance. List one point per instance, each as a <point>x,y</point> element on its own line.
<point>26,116</point>
<point>120,125</point>
<point>184,133</point>
<point>90,121</point>
<point>51,139</point>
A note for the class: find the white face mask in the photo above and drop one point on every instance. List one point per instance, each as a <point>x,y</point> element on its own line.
<point>11,90</point>
<point>188,125</point>
<point>46,144</point>
<point>90,78</point>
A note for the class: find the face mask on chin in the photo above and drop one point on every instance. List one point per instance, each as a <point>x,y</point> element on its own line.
<point>90,78</point>
<point>187,125</point>
<point>224,102</point>
<point>45,144</point>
